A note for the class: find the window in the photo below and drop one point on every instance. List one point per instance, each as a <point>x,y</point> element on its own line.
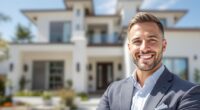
<point>56,74</point>
<point>116,37</point>
<point>90,35</point>
<point>60,31</point>
<point>103,36</point>
<point>163,21</point>
<point>178,66</point>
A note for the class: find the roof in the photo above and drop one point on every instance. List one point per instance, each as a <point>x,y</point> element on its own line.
<point>106,16</point>
<point>32,14</point>
<point>162,11</point>
<point>69,4</point>
<point>43,10</point>
<point>178,14</point>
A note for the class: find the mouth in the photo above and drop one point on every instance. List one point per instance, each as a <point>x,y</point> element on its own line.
<point>145,57</point>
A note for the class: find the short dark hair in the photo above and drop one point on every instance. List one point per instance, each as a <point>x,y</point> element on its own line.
<point>145,17</point>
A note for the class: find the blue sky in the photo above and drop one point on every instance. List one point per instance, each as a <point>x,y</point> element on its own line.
<point>12,9</point>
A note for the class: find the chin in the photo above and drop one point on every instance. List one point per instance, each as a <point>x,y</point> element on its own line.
<point>145,67</point>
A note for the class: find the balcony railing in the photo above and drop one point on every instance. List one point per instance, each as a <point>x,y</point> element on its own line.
<point>104,40</point>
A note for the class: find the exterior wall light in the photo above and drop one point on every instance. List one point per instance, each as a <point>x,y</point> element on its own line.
<point>25,67</point>
<point>11,67</point>
<point>77,67</point>
<point>89,67</point>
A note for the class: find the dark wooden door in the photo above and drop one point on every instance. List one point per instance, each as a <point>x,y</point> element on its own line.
<point>104,75</point>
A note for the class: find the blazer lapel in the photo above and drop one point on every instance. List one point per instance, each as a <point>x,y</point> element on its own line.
<point>161,87</point>
<point>126,94</point>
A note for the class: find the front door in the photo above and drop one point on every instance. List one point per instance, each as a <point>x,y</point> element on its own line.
<point>39,75</point>
<point>104,75</point>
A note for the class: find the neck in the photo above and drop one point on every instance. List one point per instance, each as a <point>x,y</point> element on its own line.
<point>143,75</point>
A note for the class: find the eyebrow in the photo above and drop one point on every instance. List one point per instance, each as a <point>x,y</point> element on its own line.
<point>136,38</point>
<point>153,36</point>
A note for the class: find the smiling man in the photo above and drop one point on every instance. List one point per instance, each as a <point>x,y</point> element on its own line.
<point>151,86</point>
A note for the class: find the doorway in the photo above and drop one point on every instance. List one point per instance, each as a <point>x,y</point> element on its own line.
<point>104,75</point>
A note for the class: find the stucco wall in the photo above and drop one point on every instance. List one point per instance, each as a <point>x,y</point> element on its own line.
<point>184,44</point>
<point>29,57</point>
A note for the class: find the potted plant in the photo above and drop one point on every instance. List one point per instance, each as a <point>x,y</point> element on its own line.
<point>47,96</point>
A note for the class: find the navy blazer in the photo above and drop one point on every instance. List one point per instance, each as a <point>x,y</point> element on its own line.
<point>169,93</point>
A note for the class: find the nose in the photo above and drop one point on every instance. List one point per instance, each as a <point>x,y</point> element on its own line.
<point>144,47</point>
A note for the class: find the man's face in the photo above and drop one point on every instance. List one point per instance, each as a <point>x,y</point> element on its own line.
<point>146,45</point>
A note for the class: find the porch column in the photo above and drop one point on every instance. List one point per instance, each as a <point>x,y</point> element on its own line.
<point>79,62</point>
<point>15,71</point>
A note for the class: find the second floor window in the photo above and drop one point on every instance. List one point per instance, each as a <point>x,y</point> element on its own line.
<point>103,36</point>
<point>60,31</point>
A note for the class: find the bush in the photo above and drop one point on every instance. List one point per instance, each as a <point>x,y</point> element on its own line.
<point>6,101</point>
<point>46,95</point>
<point>29,93</point>
<point>67,97</point>
<point>83,96</point>
<point>2,86</point>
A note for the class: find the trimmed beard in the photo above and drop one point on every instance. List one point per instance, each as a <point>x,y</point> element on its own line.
<point>150,67</point>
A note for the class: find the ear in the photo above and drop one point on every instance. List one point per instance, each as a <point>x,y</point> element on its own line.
<point>164,43</point>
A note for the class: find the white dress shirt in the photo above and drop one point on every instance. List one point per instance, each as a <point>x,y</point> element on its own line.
<point>141,94</point>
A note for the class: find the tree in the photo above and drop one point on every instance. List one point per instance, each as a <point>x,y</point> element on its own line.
<point>3,49</point>
<point>4,17</point>
<point>23,34</point>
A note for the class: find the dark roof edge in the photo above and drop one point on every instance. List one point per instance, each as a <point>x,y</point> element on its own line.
<point>44,10</point>
<point>161,11</point>
<point>114,15</point>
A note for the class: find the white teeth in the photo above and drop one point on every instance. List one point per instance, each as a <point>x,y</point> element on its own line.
<point>145,56</point>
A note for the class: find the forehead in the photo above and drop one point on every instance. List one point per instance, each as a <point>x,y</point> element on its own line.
<point>144,29</point>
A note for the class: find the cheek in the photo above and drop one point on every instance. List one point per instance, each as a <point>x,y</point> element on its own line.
<point>133,51</point>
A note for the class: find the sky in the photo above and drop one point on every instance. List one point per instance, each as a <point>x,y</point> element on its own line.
<point>12,8</point>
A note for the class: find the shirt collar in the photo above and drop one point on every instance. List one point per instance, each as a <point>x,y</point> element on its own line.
<point>150,80</point>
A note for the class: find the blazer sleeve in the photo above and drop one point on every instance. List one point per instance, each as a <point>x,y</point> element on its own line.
<point>191,99</point>
<point>104,102</point>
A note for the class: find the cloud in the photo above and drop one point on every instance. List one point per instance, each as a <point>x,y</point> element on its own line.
<point>167,4</point>
<point>151,3</point>
<point>107,7</point>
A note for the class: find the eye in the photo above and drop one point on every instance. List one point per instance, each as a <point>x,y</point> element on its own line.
<point>152,40</point>
<point>137,42</point>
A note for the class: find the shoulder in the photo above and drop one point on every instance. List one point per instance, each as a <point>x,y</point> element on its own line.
<point>177,82</point>
<point>182,84</point>
<point>120,83</point>
<point>116,86</point>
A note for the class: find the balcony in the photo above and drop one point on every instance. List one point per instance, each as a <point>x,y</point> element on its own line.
<point>104,40</point>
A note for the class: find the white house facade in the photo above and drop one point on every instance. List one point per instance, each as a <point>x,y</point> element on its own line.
<point>91,50</point>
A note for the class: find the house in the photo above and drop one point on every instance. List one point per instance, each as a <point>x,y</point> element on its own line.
<point>91,50</point>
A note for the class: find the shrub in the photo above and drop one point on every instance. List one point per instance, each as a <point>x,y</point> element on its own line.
<point>46,95</point>
<point>29,93</point>
<point>67,97</point>
<point>6,101</point>
<point>83,96</point>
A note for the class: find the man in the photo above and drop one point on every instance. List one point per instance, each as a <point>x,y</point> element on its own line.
<point>151,86</point>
